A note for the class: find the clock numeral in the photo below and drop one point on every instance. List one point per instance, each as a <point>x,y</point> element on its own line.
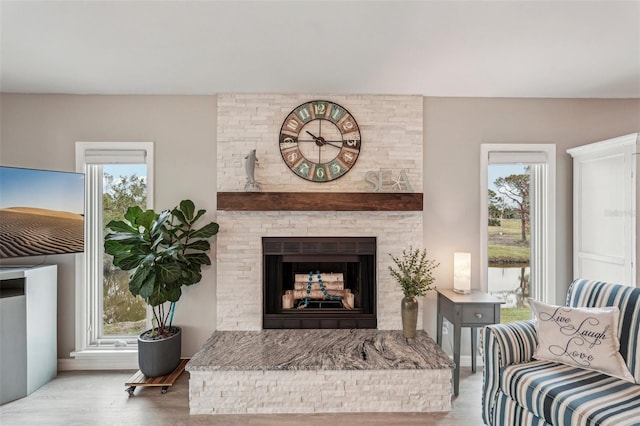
<point>319,173</point>
<point>303,114</point>
<point>287,142</point>
<point>336,168</point>
<point>292,124</point>
<point>348,125</point>
<point>292,157</point>
<point>348,157</point>
<point>352,143</point>
<point>303,170</point>
<point>319,109</point>
<point>336,113</point>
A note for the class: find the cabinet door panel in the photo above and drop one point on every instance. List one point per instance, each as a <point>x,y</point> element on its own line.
<point>601,197</point>
<point>604,202</point>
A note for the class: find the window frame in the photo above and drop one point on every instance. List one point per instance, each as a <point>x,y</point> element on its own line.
<point>90,346</point>
<point>548,236</point>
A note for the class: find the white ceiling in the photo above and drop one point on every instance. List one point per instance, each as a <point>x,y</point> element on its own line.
<point>475,48</point>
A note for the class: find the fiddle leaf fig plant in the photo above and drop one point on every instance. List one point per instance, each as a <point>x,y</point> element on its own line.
<point>166,250</point>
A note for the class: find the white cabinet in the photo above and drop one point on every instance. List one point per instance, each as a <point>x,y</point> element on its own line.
<point>604,210</point>
<point>28,329</point>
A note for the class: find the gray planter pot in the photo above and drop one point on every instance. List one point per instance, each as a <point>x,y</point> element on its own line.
<point>159,357</point>
<point>409,312</point>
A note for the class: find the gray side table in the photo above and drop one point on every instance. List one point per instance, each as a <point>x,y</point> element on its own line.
<point>475,309</point>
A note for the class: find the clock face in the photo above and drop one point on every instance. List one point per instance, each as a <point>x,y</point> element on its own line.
<point>320,141</point>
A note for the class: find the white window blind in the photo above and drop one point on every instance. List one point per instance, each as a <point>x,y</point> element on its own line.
<point>115,156</point>
<point>517,157</point>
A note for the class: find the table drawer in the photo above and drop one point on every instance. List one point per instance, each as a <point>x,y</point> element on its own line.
<point>478,314</point>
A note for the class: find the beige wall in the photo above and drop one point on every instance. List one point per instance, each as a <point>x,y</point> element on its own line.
<point>454,130</point>
<point>40,131</point>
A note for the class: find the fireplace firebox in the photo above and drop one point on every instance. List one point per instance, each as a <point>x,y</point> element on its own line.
<point>319,282</point>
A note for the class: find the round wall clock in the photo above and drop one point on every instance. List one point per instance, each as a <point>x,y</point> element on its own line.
<point>320,141</point>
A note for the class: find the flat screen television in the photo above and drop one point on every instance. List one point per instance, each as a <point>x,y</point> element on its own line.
<point>41,212</point>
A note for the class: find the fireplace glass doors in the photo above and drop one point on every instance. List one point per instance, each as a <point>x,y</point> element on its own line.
<point>319,282</point>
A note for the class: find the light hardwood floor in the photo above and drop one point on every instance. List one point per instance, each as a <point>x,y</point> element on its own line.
<point>99,398</point>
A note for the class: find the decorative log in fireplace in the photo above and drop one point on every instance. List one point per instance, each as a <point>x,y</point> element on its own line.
<point>310,291</point>
<point>349,263</point>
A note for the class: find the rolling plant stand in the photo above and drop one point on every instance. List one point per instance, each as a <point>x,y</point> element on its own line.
<point>139,379</point>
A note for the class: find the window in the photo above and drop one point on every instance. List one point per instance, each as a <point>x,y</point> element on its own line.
<point>530,211</point>
<point>117,175</point>
<point>509,238</point>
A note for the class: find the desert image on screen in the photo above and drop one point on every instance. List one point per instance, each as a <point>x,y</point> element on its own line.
<point>41,212</point>
<point>32,232</point>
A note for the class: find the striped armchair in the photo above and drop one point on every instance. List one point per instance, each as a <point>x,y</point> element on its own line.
<point>520,390</point>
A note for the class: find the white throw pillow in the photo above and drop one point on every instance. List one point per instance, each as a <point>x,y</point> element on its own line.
<point>580,337</point>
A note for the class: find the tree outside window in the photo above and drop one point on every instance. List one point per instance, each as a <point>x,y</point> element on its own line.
<point>509,237</point>
<point>123,314</point>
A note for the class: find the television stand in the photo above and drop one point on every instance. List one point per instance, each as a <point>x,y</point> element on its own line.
<point>28,329</point>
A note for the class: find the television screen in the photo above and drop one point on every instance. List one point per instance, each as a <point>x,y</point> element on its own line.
<point>41,212</point>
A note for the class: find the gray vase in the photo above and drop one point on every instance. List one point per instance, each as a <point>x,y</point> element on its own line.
<point>159,357</point>
<point>409,311</point>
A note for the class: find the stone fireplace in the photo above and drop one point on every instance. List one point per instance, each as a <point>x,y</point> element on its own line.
<point>293,270</point>
<point>391,128</point>
<point>343,353</point>
<point>240,266</point>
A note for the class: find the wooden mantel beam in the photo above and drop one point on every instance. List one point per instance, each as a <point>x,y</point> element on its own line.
<point>319,201</point>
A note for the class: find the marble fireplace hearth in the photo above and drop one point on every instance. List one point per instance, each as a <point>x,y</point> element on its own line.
<point>316,371</point>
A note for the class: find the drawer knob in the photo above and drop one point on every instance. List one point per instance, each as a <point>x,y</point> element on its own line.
<point>478,315</point>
